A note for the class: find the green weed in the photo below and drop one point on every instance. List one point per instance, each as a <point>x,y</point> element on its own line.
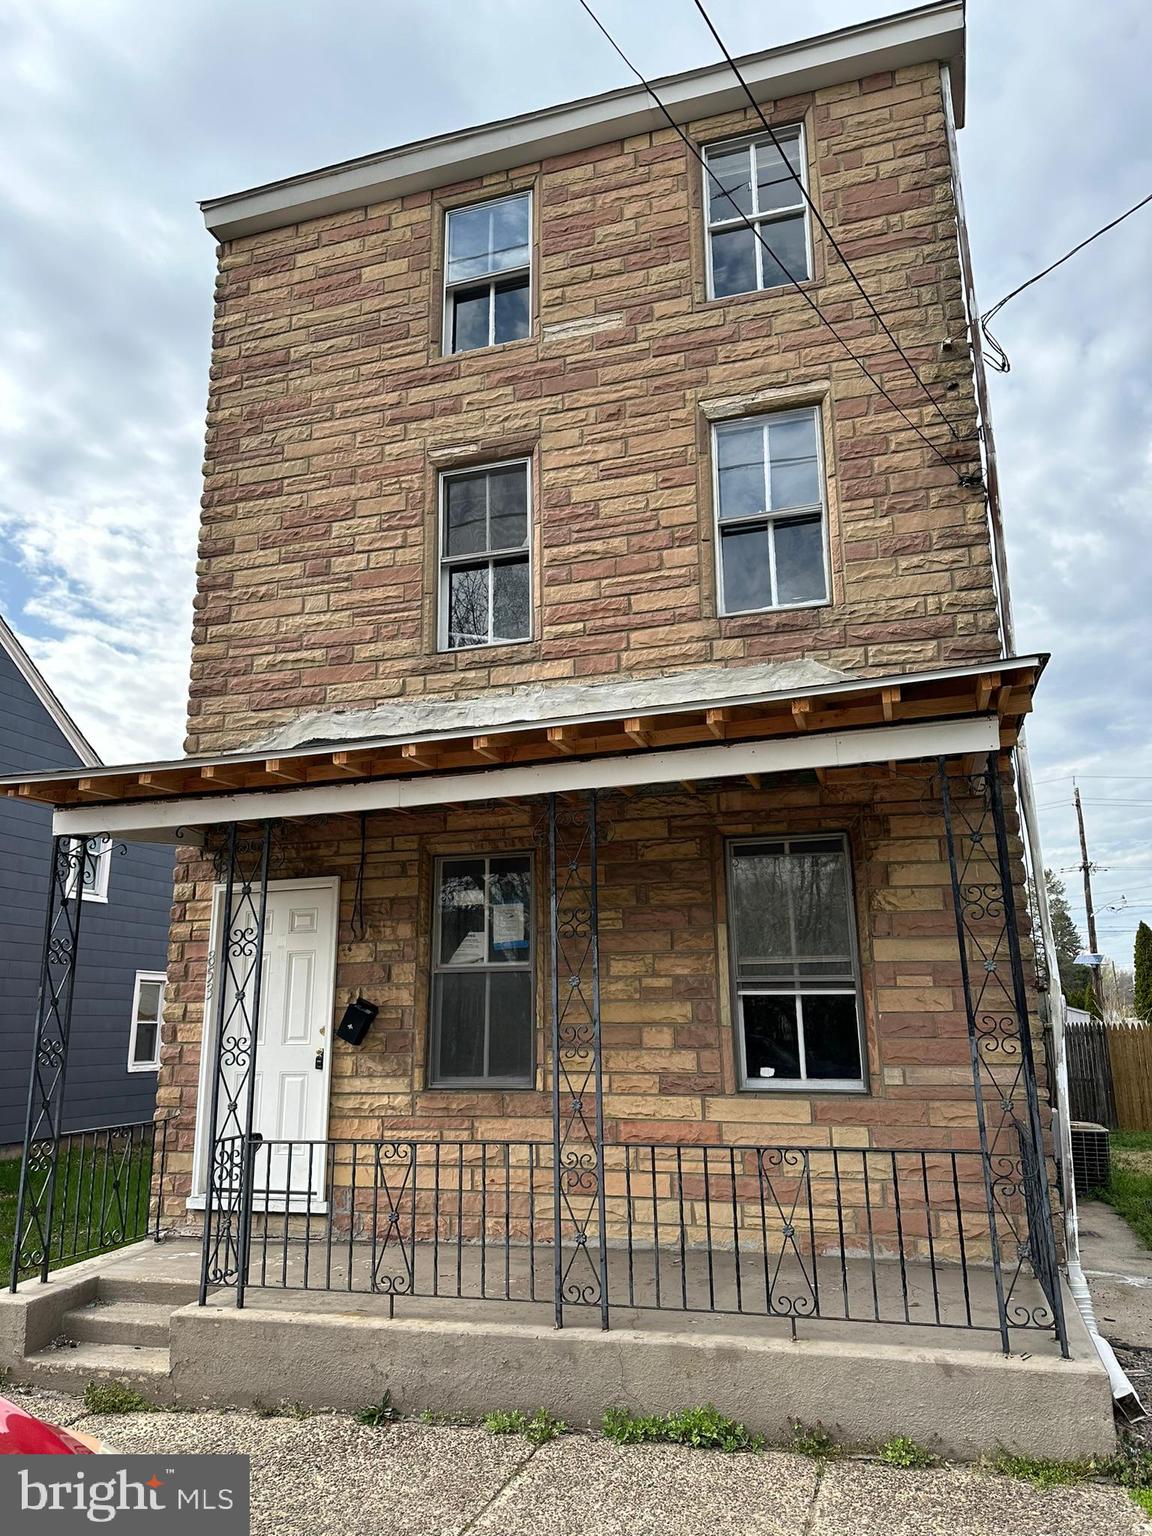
<point>115,1397</point>
<point>705,1428</point>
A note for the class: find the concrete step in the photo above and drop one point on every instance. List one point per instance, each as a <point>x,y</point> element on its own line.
<point>147,1289</point>
<point>119,1322</point>
<point>71,1369</point>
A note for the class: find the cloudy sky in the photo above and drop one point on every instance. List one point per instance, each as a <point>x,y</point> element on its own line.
<point>117,115</point>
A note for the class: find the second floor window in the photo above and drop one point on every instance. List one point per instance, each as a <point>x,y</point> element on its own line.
<point>485,566</point>
<point>757,225</point>
<point>96,867</point>
<point>487,274</point>
<point>770,512</point>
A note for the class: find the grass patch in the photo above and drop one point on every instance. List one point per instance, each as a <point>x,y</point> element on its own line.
<point>704,1428</point>
<point>1129,1190</point>
<point>539,1429</point>
<point>1041,1473</point>
<point>88,1217</point>
<point>446,1420</point>
<point>1143,1498</point>
<point>115,1397</point>
<point>901,1451</point>
<point>379,1413</point>
<point>813,1440</point>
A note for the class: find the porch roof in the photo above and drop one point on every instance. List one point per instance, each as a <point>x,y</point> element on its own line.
<point>679,737</point>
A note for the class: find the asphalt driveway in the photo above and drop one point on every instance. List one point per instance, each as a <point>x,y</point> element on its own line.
<point>327,1474</point>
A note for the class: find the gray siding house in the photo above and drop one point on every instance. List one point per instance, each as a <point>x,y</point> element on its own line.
<point>112,1059</point>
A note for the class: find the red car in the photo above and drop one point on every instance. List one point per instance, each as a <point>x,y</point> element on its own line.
<point>22,1434</point>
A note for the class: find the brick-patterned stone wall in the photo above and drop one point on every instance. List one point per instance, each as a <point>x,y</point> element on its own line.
<point>332,411</point>
<point>670,1072</point>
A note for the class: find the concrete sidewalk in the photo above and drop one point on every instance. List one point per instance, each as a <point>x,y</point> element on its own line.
<point>329,1476</point>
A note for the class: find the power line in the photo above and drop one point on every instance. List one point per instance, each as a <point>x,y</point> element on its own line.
<point>828,235</point>
<point>967,480</point>
<point>999,360</point>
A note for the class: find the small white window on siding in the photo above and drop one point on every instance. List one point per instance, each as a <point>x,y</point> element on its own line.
<point>748,182</point>
<point>488,273</point>
<point>96,867</point>
<point>147,1017</point>
<point>771,514</point>
<point>485,565</point>
<point>795,972</point>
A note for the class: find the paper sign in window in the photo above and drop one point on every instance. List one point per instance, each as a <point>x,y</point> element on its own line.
<point>469,951</point>
<point>508,926</point>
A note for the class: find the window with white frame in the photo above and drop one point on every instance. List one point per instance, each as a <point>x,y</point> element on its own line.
<point>488,273</point>
<point>97,863</point>
<point>147,1017</point>
<point>757,216</point>
<point>795,972</point>
<point>482,974</point>
<point>770,512</point>
<point>485,566</point>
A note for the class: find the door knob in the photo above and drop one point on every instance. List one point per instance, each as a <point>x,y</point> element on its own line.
<point>320,1059</point>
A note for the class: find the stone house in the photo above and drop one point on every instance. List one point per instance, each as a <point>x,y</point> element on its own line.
<point>601,691</point>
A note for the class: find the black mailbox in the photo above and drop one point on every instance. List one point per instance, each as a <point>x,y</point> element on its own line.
<point>357,1017</point>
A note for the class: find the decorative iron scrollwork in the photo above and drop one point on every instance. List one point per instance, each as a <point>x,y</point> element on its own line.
<point>580,1258</point>
<point>999,1033</point>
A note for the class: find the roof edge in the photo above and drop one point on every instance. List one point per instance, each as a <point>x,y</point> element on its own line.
<point>35,679</point>
<point>926,33</point>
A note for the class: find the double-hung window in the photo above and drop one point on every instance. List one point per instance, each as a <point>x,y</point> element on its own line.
<point>485,566</point>
<point>770,512</point>
<point>795,972</point>
<point>147,1016</point>
<point>757,218</point>
<point>488,273</point>
<point>482,981</point>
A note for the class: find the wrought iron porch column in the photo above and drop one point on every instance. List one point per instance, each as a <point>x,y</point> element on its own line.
<point>1000,1045</point>
<point>36,1198</point>
<point>237,977</point>
<point>581,1273</point>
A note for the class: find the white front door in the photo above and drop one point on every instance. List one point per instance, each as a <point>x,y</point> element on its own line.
<point>293,1056</point>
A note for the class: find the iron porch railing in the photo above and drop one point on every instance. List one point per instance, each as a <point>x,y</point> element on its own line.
<point>805,1234</point>
<point>93,1189</point>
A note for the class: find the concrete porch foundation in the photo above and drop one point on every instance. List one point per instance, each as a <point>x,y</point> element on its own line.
<point>951,1390</point>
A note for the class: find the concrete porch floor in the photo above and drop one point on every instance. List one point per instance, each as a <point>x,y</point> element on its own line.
<point>516,1286</point>
<point>132,1315</point>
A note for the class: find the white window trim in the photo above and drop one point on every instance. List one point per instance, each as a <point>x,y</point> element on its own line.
<point>492,279</point>
<point>434,1079</point>
<point>133,1064</point>
<point>757,219</point>
<point>103,864</point>
<point>818,987</point>
<point>768,516</point>
<point>445,561</point>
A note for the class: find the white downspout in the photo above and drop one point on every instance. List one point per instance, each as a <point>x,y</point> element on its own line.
<point>1123,1393</point>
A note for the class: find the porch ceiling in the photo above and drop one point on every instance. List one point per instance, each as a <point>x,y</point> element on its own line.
<point>1000,692</point>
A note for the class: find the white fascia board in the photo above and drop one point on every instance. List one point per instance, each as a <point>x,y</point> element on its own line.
<point>145,819</point>
<point>931,32</point>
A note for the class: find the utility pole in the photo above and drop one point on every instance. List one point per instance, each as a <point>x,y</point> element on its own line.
<point>1086,871</point>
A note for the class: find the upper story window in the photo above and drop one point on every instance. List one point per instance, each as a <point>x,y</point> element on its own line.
<point>795,973</point>
<point>485,565</point>
<point>749,182</point>
<point>488,273</point>
<point>770,512</point>
<point>97,861</point>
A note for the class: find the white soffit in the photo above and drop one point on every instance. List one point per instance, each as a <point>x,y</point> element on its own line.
<point>151,820</point>
<point>930,32</point>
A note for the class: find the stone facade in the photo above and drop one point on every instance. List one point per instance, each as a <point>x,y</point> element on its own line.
<point>332,410</point>
<point>670,1073</point>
